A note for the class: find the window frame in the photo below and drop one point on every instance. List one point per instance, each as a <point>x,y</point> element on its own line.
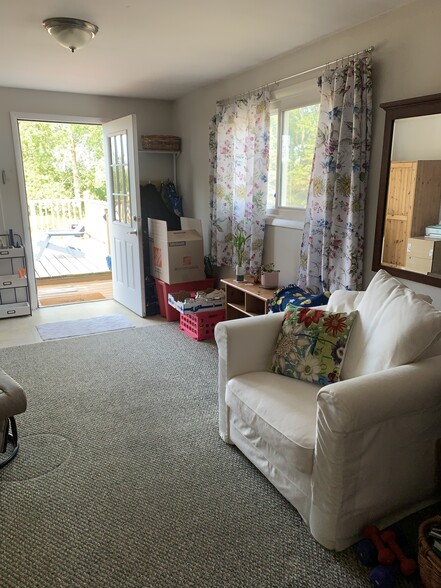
<point>302,94</point>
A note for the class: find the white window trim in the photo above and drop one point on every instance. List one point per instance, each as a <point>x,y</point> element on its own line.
<point>294,96</point>
<point>275,221</point>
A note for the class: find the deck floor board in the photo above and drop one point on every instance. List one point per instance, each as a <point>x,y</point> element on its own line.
<point>63,278</point>
<point>58,263</point>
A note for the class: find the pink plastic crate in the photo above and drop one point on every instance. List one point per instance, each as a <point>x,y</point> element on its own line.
<point>200,325</point>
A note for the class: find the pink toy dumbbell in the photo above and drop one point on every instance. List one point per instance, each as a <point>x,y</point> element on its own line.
<point>407,566</point>
<point>385,555</point>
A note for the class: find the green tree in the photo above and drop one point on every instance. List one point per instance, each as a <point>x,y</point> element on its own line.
<point>62,160</point>
<point>302,129</point>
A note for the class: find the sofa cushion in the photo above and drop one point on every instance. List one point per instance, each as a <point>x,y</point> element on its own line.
<point>311,344</point>
<point>395,326</point>
<point>282,412</point>
<point>344,301</point>
<point>348,300</point>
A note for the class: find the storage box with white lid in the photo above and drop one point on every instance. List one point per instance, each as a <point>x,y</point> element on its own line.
<point>189,302</point>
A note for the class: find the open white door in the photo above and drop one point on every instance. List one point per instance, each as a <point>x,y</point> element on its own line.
<point>122,178</point>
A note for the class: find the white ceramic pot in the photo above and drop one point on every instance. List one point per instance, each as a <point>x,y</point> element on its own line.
<point>270,280</point>
<point>240,273</point>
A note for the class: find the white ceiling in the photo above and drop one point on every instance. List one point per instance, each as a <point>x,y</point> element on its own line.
<point>164,48</point>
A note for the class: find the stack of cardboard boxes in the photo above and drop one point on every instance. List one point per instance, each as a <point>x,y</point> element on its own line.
<point>177,261</point>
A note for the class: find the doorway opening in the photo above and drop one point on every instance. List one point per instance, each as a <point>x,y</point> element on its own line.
<point>65,186</point>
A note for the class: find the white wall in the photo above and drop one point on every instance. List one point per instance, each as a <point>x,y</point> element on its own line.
<point>417,138</point>
<point>153,117</point>
<point>406,64</point>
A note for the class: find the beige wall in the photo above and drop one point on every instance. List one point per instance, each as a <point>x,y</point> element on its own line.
<point>153,117</point>
<point>417,138</point>
<point>406,64</point>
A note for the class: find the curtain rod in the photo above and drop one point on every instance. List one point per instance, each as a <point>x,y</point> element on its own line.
<point>301,73</point>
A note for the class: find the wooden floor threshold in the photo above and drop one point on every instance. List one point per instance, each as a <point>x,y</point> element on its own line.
<point>74,289</point>
<point>74,279</point>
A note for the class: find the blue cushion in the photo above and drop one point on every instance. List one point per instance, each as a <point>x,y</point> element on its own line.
<point>296,297</point>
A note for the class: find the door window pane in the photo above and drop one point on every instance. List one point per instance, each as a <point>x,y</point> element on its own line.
<point>120,178</point>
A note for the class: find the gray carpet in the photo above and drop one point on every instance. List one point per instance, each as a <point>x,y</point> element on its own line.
<point>122,481</point>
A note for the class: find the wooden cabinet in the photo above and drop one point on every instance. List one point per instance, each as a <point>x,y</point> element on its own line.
<point>413,203</point>
<point>14,290</point>
<point>245,298</point>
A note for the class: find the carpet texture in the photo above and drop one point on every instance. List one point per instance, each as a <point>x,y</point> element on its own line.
<point>79,327</point>
<point>122,481</point>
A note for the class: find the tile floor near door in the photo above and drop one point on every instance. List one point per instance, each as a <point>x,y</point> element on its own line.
<point>22,330</point>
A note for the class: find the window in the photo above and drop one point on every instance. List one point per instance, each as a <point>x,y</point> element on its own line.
<point>293,132</point>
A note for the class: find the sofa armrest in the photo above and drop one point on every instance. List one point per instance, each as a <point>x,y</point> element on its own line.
<point>377,449</point>
<point>244,345</point>
<point>365,401</point>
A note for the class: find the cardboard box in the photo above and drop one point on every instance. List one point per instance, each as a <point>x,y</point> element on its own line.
<point>176,256</point>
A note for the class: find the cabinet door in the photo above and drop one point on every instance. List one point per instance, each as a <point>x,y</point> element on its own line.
<point>400,198</point>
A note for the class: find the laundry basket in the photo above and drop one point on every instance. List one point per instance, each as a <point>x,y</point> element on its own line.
<point>428,561</point>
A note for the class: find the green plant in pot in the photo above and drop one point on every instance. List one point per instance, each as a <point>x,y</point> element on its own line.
<point>269,276</point>
<point>239,241</point>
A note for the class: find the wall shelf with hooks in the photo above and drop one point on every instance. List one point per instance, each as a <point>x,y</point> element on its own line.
<point>146,152</point>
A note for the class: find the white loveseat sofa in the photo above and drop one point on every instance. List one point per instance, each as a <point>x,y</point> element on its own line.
<point>366,449</point>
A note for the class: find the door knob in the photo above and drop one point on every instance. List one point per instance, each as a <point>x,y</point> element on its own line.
<point>135,232</point>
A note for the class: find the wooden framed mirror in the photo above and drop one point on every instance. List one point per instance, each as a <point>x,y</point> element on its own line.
<point>408,230</point>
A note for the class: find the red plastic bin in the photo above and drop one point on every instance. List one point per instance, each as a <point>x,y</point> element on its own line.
<point>163,289</point>
<point>200,325</point>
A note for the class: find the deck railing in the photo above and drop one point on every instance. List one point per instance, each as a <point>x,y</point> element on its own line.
<point>46,214</point>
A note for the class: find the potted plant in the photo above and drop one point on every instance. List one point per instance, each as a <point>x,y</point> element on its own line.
<point>239,240</point>
<point>269,276</point>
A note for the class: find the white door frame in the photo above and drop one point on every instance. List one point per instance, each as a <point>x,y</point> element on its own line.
<point>15,117</point>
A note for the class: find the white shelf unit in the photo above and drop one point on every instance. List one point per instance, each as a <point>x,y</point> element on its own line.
<point>14,289</point>
<point>156,169</point>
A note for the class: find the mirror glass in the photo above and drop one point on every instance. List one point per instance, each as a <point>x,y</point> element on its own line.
<point>408,235</point>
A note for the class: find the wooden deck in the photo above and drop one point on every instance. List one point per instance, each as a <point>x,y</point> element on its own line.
<point>70,256</point>
<point>71,270</point>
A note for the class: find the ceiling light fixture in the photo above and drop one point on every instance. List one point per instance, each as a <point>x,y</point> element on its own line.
<point>71,33</point>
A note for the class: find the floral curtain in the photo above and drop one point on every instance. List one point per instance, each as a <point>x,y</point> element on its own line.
<point>238,157</point>
<point>333,238</point>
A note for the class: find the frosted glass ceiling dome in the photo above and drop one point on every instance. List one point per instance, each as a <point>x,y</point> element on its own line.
<point>71,33</point>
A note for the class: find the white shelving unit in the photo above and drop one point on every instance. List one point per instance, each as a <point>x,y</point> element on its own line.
<point>14,288</point>
<point>156,168</point>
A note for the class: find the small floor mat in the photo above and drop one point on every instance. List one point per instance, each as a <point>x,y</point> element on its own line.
<point>80,327</point>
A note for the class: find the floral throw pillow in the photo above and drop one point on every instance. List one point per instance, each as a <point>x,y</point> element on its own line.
<point>312,344</point>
